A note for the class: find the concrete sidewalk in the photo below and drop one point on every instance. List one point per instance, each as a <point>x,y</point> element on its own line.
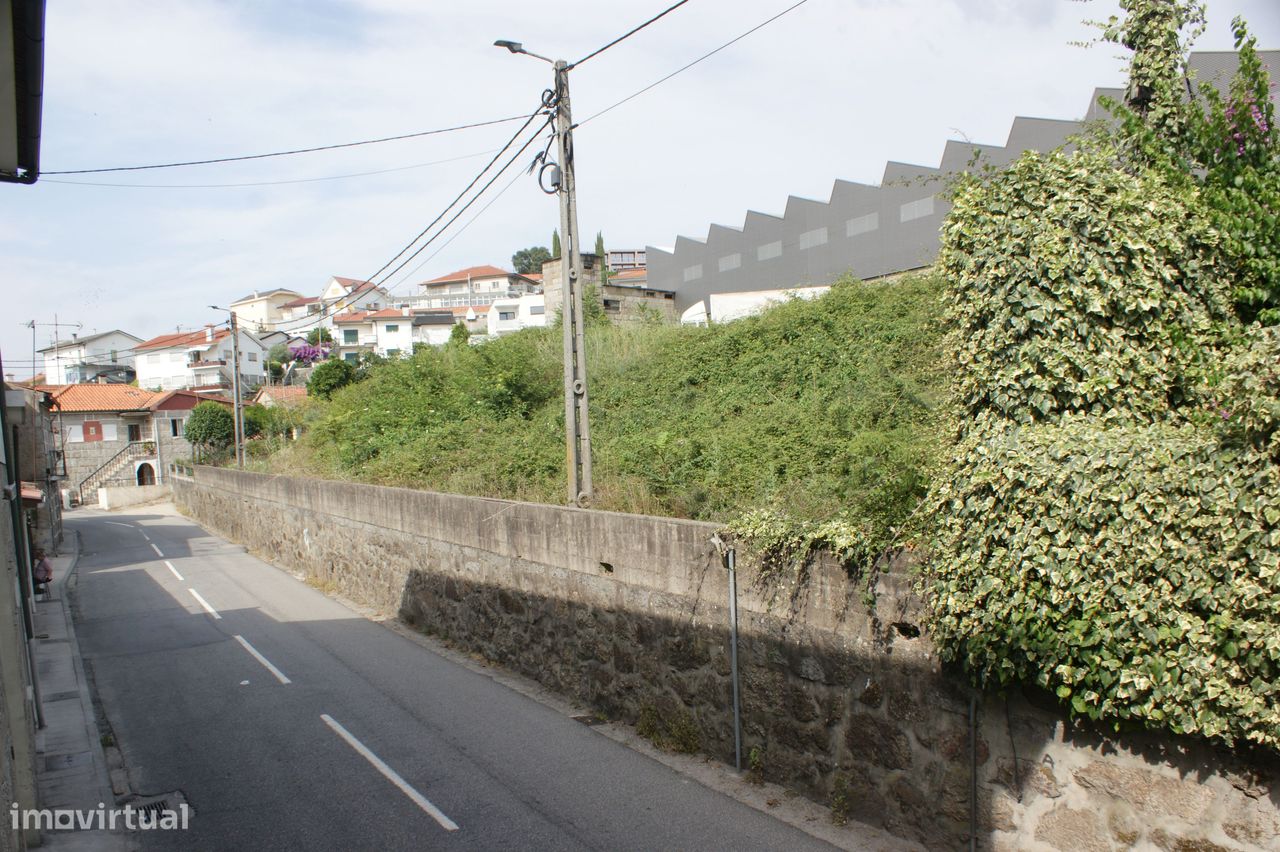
<point>71,765</point>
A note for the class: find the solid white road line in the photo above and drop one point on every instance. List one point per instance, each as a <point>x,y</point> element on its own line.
<point>265,662</point>
<point>390,774</point>
<point>174,570</point>
<point>118,524</point>
<point>204,603</point>
<point>157,550</point>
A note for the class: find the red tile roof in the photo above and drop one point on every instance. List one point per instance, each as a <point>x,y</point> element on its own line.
<point>629,274</point>
<point>101,397</point>
<point>388,313</point>
<point>471,272</point>
<point>352,316</point>
<point>297,303</point>
<point>462,311</point>
<point>283,394</point>
<point>184,339</point>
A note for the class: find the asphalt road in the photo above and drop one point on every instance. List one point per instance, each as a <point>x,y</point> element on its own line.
<point>290,722</point>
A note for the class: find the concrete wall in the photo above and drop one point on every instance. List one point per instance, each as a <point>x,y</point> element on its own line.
<point>121,496</point>
<point>627,614</point>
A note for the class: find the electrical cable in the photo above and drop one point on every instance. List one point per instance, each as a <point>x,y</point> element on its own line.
<point>625,36</point>
<point>475,198</point>
<point>286,153</point>
<point>458,233</point>
<point>691,64</point>
<point>268,182</point>
<point>474,181</point>
<point>328,313</point>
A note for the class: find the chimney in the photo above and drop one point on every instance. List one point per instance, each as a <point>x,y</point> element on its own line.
<point>405,310</point>
<point>208,332</point>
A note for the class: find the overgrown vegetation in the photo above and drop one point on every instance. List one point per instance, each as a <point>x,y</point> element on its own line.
<point>1109,520</point>
<point>816,419</point>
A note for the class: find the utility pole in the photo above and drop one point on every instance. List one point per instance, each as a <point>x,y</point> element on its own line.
<point>577,427</point>
<point>235,392</point>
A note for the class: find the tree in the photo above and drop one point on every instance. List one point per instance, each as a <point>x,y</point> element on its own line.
<point>211,426</point>
<point>530,259</point>
<point>555,243</point>
<point>600,253</point>
<point>329,377</point>
<point>460,335</point>
<point>319,335</point>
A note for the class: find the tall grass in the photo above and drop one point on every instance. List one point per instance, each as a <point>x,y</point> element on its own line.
<point>814,408</point>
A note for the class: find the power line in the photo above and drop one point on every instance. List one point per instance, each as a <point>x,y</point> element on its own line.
<point>682,69</point>
<point>460,195</point>
<point>626,35</point>
<point>269,182</point>
<point>328,313</point>
<point>458,233</point>
<point>289,153</point>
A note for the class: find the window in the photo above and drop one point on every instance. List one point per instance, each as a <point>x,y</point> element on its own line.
<point>506,316</point>
<point>812,239</point>
<point>175,428</point>
<point>253,356</point>
<point>693,273</point>
<point>350,357</point>
<point>350,336</point>
<point>393,353</point>
<point>862,225</point>
<point>392,327</point>
<point>730,261</point>
<point>537,310</point>
<point>113,356</point>
<point>612,305</point>
<point>916,209</point>
<point>769,251</point>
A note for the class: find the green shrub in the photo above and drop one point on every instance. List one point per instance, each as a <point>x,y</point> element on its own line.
<point>329,376</point>
<point>1078,288</point>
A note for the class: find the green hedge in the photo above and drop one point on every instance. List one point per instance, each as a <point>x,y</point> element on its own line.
<point>1132,569</point>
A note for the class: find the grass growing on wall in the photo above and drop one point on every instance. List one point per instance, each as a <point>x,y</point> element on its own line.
<point>813,410</point>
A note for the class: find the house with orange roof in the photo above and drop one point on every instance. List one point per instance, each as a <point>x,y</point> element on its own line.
<point>472,287</point>
<point>202,360</point>
<point>120,434</point>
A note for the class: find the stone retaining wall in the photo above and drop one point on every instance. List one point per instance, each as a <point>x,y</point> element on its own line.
<point>628,615</point>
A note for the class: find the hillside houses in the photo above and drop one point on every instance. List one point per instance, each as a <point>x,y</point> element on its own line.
<point>198,360</point>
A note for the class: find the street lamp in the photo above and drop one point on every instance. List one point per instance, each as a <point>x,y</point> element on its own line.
<point>238,418</point>
<point>577,426</point>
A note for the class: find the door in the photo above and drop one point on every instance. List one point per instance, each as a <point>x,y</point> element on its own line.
<point>135,432</point>
<point>146,474</point>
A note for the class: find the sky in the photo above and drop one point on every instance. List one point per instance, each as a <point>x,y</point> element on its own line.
<point>832,90</point>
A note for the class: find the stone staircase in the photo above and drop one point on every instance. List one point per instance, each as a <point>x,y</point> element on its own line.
<point>132,452</point>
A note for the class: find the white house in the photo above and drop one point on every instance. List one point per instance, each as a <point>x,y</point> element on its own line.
<point>84,359</point>
<point>261,311</point>
<point>514,313</point>
<point>199,359</point>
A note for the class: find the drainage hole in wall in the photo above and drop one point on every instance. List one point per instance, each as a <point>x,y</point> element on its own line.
<point>910,631</point>
<point>606,567</point>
